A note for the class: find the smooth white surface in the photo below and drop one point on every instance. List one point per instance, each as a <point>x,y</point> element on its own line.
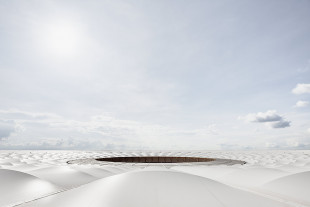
<point>17,187</point>
<point>157,188</point>
<point>296,186</point>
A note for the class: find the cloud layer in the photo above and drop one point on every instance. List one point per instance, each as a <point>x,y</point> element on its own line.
<point>50,131</point>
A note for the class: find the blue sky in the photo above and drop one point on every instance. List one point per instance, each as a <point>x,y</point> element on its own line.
<point>155,74</point>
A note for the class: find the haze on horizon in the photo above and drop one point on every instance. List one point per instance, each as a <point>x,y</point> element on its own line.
<point>161,74</point>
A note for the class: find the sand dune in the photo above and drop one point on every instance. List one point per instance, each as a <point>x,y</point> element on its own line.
<point>17,187</point>
<point>63,176</point>
<point>296,186</point>
<point>253,177</point>
<point>95,171</point>
<point>156,188</point>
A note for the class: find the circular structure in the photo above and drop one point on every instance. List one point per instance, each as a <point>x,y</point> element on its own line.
<point>145,159</point>
<point>152,159</point>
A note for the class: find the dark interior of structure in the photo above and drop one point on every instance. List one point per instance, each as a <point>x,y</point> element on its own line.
<point>154,159</point>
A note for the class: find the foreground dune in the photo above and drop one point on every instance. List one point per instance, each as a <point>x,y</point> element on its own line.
<point>44,178</point>
<point>156,188</point>
<point>17,187</point>
<point>295,186</point>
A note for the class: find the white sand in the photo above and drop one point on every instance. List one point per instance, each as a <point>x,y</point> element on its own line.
<point>43,178</point>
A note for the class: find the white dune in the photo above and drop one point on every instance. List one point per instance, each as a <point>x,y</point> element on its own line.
<point>156,188</point>
<point>25,167</point>
<point>98,172</point>
<point>63,176</point>
<point>296,187</point>
<point>236,176</point>
<point>212,172</point>
<point>17,187</point>
<point>252,177</point>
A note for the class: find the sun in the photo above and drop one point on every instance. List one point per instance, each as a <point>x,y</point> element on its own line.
<point>62,39</point>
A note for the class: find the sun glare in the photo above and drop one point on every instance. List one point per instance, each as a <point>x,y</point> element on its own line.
<point>62,39</point>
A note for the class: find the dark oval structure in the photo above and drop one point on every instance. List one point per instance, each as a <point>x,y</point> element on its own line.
<point>153,159</point>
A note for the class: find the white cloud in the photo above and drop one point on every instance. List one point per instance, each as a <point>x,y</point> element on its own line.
<point>6,128</point>
<point>280,124</point>
<point>270,117</point>
<point>301,88</point>
<point>271,145</point>
<point>292,143</point>
<point>300,104</point>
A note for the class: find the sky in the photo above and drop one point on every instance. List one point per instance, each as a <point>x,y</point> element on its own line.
<point>154,75</point>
